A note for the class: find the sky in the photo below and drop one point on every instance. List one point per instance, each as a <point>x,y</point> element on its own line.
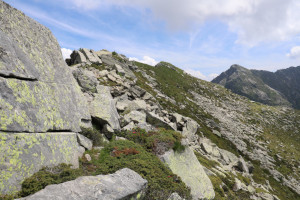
<point>202,37</point>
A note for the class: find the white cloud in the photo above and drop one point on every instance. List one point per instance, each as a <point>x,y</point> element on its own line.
<point>294,52</point>
<point>146,59</point>
<point>198,74</point>
<point>212,76</point>
<point>66,52</point>
<point>253,21</point>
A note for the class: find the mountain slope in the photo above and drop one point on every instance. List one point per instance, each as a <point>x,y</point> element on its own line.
<point>286,81</point>
<point>234,123</point>
<point>247,83</point>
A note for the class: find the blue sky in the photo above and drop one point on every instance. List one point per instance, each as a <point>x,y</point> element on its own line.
<point>202,37</point>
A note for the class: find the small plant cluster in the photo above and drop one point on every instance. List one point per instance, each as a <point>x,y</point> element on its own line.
<point>46,176</point>
<point>127,151</point>
<point>161,181</point>
<point>117,154</point>
<point>157,142</point>
<point>94,135</point>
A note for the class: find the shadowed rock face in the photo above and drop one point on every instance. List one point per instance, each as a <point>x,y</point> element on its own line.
<point>38,95</point>
<point>272,88</point>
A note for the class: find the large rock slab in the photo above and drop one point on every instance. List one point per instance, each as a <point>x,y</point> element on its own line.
<point>188,168</point>
<point>91,56</point>
<point>37,90</point>
<point>103,108</point>
<point>37,106</point>
<point>23,154</point>
<point>157,121</point>
<point>124,184</point>
<point>190,129</point>
<point>86,80</point>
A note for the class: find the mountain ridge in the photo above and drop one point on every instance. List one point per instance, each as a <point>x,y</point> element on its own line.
<point>272,88</point>
<point>179,136</point>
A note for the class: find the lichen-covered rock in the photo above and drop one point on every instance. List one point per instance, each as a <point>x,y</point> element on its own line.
<point>124,184</point>
<point>188,168</point>
<point>91,56</point>
<point>103,108</point>
<point>84,141</point>
<point>23,154</point>
<point>135,116</point>
<point>119,69</point>
<point>175,196</point>
<point>157,121</point>
<point>37,90</point>
<point>86,80</point>
<point>190,129</point>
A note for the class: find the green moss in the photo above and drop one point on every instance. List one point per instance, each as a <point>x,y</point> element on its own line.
<point>209,164</point>
<point>156,142</point>
<point>244,179</point>
<point>94,135</point>
<point>223,189</point>
<point>260,190</point>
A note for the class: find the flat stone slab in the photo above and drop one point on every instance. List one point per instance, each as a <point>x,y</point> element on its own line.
<point>124,184</point>
<point>188,168</point>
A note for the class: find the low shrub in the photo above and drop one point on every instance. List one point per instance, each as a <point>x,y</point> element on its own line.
<point>94,135</point>
<point>48,176</point>
<point>157,142</point>
<point>161,181</point>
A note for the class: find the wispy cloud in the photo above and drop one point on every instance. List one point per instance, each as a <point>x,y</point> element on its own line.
<point>254,21</point>
<point>198,74</point>
<point>146,59</point>
<point>66,52</point>
<point>294,52</point>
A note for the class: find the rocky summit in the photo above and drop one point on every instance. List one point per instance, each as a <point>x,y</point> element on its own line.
<point>99,126</point>
<point>272,88</point>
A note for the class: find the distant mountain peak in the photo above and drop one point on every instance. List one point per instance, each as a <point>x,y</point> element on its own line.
<point>272,88</point>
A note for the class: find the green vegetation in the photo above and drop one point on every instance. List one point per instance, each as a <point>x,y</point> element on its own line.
<point>139,156</point>
<point>223,188</point>
<point>99,67</point>
<point>282,139</point>
<point>47,176</point>
<point>161,181</point>
<point>94,135</point>
<point>156,142</point>
<point>209,164</point>
<point>262,175</point>
<point>178,85</point>
<point>243,179</point>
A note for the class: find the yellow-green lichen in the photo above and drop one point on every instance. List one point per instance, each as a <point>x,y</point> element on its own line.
<point>18,154</point>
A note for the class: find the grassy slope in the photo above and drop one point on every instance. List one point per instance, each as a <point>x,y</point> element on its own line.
<point>177,85</point>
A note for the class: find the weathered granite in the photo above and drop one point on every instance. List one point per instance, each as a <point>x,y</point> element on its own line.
<point>188,168</point>
<point>103,108</point>
<point>37,90</point>
<point>124,184</point>
<point>23,154</point>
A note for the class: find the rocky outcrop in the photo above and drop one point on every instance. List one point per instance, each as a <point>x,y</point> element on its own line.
<point>103,109</point>
<point>188,168</point>
<point>41,105</point>
<point>124,184</point>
